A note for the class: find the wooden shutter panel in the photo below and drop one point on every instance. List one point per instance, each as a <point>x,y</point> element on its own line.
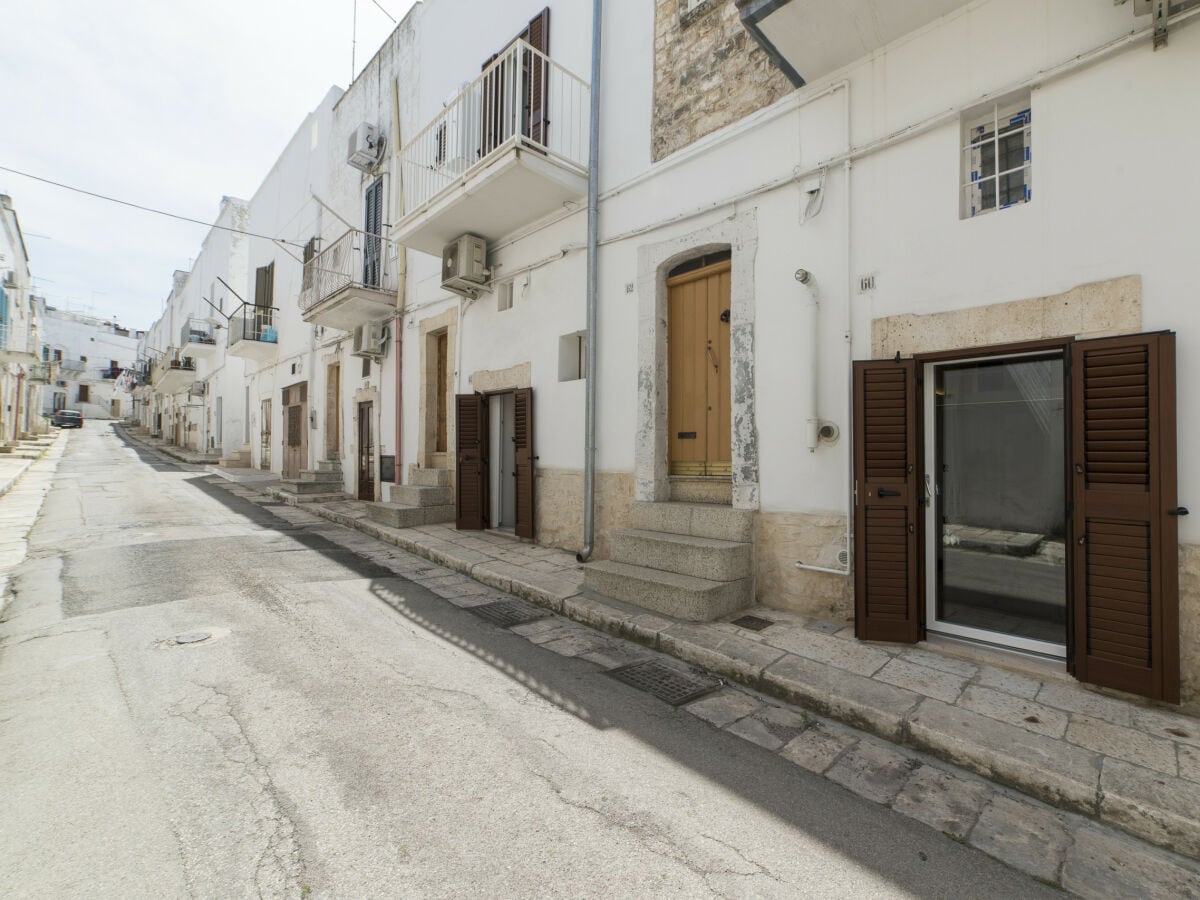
<point>523,439</point>
<point>373,226</point>
<point>472,471</point>
<point>887,563</point>
<point>261,286</point>
<point>1125,538</point>
<point>539,39</point>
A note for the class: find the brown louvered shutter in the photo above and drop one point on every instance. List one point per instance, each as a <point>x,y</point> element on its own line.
<point>887,565</point>
<point>1125,551</point>
<point>472,471</point>
<point>262,285</point>
<point>523,441</point>
<point>538,37</point>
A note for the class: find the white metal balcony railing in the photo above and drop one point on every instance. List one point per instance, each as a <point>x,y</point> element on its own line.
<point>356,259</point>
<point>72,365</point>
<point>524,99</point>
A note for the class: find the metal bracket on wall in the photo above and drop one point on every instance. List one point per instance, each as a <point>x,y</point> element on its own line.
<point>1162,11</point>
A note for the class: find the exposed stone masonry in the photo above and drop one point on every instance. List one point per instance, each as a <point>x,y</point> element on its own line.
<point>708,73</point>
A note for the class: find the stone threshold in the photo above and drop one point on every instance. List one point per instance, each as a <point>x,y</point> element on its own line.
<point>1107,759</point>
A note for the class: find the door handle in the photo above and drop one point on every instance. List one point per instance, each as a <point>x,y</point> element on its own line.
<point>712,359</point>
<point>884,492</point>
<point>1178,511</point>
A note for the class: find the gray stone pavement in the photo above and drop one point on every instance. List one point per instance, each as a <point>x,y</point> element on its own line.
<point>1106,787</point>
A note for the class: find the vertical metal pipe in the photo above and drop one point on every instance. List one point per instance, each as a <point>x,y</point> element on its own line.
<point>401,283</point>
<point>589,413</point>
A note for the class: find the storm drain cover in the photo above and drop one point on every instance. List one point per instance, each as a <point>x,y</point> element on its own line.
<point>665,682</point>
<point>507,613</point>
<point>824,627</point>
<point>754,623</point>
<point>192,637</point>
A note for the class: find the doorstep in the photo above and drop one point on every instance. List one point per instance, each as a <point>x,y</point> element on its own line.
<point>1131,764</point>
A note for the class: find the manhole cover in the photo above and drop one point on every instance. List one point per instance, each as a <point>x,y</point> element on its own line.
<point>507,613</point>
<point>192,637</point>
<point>664,682</point>
<point>824,627</point>
<point>754,623</point>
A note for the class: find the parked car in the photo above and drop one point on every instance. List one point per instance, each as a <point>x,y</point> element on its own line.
<point>68,418</point>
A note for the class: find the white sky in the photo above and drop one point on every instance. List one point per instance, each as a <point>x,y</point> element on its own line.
<point>166,104</point>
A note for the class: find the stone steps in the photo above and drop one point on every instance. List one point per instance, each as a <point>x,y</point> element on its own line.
<point>670,593</point>
<point>683,554</point>
<point>238,459</point>
<point>419,494</point>
<point>429,477</point>
<point>320,476</point>
<point>706,520</point>
<point>403,515</point>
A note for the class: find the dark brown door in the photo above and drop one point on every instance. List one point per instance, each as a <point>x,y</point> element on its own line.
<point>333,410</point>
<point>523,470</point>
<point>472,461</point>
<point>1125,528</point>
<point>366,451</point>
<point>887,596</point>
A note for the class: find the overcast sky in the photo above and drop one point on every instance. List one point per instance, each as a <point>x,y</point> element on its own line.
<point>166,104</point>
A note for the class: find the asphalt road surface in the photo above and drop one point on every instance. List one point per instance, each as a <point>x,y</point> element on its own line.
<point>346,733</point>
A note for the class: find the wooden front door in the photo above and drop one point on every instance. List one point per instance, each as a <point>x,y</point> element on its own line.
<point>699,412</point>
<point>333,421</point>
<point>366,451</point>
<point>295,438</point>
<point>264,456</point>
<point>471,483</point>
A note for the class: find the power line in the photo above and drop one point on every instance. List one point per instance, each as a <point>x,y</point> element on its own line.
<point>385,12</point>
<point>149,209</point>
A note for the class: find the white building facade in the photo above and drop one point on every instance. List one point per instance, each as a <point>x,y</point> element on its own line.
<point>22,377</point>
<point>88,356</point>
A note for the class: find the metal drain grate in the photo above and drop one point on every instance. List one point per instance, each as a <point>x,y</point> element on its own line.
<point>664,682</point>
<point>507,613</point>
<point>754,623</point>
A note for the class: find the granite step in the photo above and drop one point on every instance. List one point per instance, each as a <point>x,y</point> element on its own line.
<point>430,477</point>
<point>403,515</point>
<point>684,554</point>
<point>419,495</point>
<point>706,520</point>
<point>670,593</point>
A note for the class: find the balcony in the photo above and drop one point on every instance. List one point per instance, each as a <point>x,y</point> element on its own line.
<point>109,373</point>
<point>171,375</point>
<point>351,282</point>
<point>252,333</point>
<point>16,345</point>
<point>508,150</point>
<point>41,373</point>
<point>807,38</point>
<point>198,338</point>
<point>72,369</point>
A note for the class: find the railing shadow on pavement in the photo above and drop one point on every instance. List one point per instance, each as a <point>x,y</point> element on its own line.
<point>875,838</point>
<point>148,456</point>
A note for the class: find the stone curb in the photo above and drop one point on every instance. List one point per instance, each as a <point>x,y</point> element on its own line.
<point>178,457</point>
<point>1062,775</point>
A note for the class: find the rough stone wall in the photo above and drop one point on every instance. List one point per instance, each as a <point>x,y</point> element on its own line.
<point>708,73</point>
<point>782,540</point>
<point>559,497</point>
<point>1189,623</point>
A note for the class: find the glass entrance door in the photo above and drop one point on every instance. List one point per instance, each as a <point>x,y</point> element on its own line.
<point>996,510</point>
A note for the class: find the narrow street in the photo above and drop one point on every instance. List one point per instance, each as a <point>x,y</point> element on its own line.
<point>343,731</point>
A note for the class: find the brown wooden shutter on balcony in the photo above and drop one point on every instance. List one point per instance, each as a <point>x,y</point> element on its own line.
<point>264,285</point>
<point>523,441</point>
<point>538,37</point>
<point>472,465</point>
<point>887,563</point>
<point>1125,551</point>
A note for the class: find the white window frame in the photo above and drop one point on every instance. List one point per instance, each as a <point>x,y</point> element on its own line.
<point>991,124</point>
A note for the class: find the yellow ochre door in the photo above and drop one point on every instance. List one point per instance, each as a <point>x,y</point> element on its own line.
<point>698,372</point>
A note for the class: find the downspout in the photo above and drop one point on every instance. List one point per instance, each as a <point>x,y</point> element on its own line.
<point>17,416</point>
<point>812,422</point>
<point>402,284</point>
<point>589,414</point>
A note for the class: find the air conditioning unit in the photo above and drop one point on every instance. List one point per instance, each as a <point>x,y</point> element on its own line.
<point>464,265</point>
<point>10,279</point>
<point>370,340</point>
<point>366,147</point>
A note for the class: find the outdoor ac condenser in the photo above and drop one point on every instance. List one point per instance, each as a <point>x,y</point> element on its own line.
<point>366,147</point>
<point>464,265</point>
<point>370,341</point>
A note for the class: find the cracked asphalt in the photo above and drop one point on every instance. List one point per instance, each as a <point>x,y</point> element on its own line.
<point>347,732</point>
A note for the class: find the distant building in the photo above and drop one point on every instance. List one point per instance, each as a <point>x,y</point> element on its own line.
<point>88,355</point>
<point>21,377</point>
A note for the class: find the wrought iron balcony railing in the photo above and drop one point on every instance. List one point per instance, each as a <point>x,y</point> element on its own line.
<point>523,99</point>
<point>356,259</point>
<point>197,331</point>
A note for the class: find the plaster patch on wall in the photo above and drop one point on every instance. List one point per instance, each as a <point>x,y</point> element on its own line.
<point>1089,310</point>
<point>739,234</point>
<point>487,381</point>
<point>1189,622</point>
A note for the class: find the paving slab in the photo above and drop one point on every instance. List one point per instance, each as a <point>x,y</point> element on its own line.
<point>1102,864</point>
<point>819,746</point>
<point>941,685</point>
<point>1027,714</point>
<point>1023,834</point>
<point>724,707</point>
<point>1153,806</point>
<point>1128,744</point>
<point>943,800</point>
<point>873,769</point>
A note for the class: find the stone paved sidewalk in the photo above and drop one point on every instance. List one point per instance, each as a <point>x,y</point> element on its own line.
<point>1068,849</point>
<point>139,435</point>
